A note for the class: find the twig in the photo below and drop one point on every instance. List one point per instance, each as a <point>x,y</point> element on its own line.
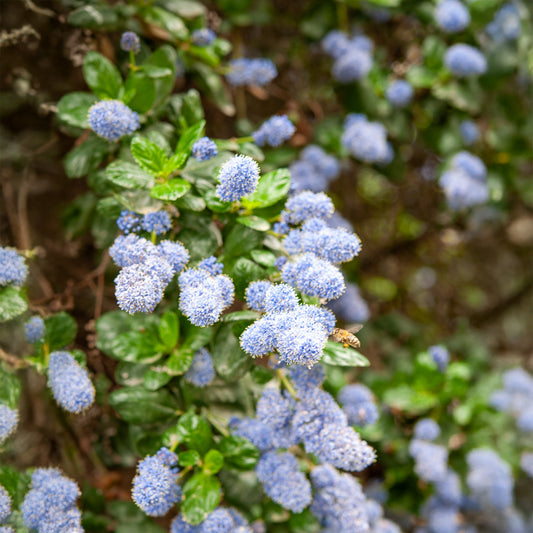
<point>18,35</point>
<point>13,360</point>
<point>39,10</point>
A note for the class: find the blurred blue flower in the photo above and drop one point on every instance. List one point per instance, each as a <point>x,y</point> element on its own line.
<point>257,432</point>
<point>358,404</point>
<point>464,60</point>
<point>366,140</point>
<point>506,25</point>
<point>112,119</point>
<point>201,371</point>
<point>469,132</point>
<point>244,71</point>
<point>274,131</point>
<point>204,149</point>
<point>440,355</point>
<point>305,205</point>
<point>203,37</point>
<point>34,329</point>
<point>399,93</point>
<point>130,42</point>
<point>350,306</point>
<point>452,16</point>
<point>426,429</point>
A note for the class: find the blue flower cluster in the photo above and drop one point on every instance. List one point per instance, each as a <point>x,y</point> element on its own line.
<point>283,482</point>
<point>314,171</point>
<point>69,382</point>
<point>440,355</point>
<point>306,205</point>
<point>5,505</point>
<point>431,460</point>
<point>358,405</point>
<point>297,332</point>
<point>221,520</point>
<point>274,131</point>
<point>204,149</point>
<point>158,222</point>
<point>516,397</point>
<point>34,329</point>
<point>465,182</point>
<point>350,306</point>
<point>238,177</point>
<point>452,16</point>
<point>129,222</point>
<point>203,294</point>
<point>526,463</point>
<point>469,132</point>
<point>352,55</point>
<point>8,421</point>
<point>490,479</point>
<point>203,37</point>
<point>112,119</point>
<point>146,270</point>
<point>13,269</point>
<point>366,140</point>
<point>426,429</point>
<point>201,371</point>
<point>464,60</point>
<point>50,504</point>
<point>155,488</point>
<point>130,42</point>
<point>400,93</point>
<point>244,71</point>
<point>506,25</point>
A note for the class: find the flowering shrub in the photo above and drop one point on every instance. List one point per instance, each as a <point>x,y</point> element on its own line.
<point>216,379</point>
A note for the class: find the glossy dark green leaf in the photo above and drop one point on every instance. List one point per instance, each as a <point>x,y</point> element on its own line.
<point>170,190</point>
<point>149,156</point>
<point>94,17</point>
<point>201,495</point>
<point>140,406</point>
<point>191,203</point>
<point>73,108</point>
<point>336,354</point>
<point>86,157</point>
<point>9,388</point>
<point>165,56</point>
<point>169,329</point>
<point>12,303</point>
<point>230,361</point>
<point>190,136</point>
<point>156,377</point>
<point>241,239</point>
<point>101,75</point>
<point>243,272</point>
<point>271,188</point>
<point>197,337</point>
<point>189,458</point>
<point>129,175</point>
<point>143,89</point>
<point>167,20</point>
<point>215,203</point>
<point>254,222</point>
<point>213,462</point>
<point>263,257</point>
<point>241,315</point>
<point>194,431</point>
<point>60,329</point>
<point>179,361</point>
<point>212,85</point>
<point>239,452</point>
<point>16,483</point>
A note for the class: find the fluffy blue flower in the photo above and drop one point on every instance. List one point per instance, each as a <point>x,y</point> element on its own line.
<point>203,37</point>
<point>179,525</point>
<point>489,478</point>
<point>470,164</point>
<point>386,526</point>
<point>469,131</point>
<point>273,408</point>
<point>255,295</point>
<point>49,505</point>
<point>350,306</point>
<point>358,404</point>
<point>69,382</point>
<point>307,205</point>
<point>130,42</point>
<point>274,132</point>
<point>158,222</point>
<point>138,289</point>
<point>129,222</point>
<point>399,93</point>
<point>303,344</point>
<point>314,170</point>
<point>306,379</point>
<point>464,60</point>
<point>238,177</point>
<point>283,482</point>
<point>354,64</point>
<point>452,16</point>
<point>175,253</point>
<point>279,298</point>
<point>211,265</point>
<point>34,329</point>
<point>366,140</point>
<point>201,371</point>
<point>426,429</point>
<point>155,488</point>
<point>5,504</point>
<point>245,71</point>
<point>440,355</point>
<point>112,119</point>
<point>506,25</point>
<point>13,269</point>
<point>257,432</point>
<point>430,460</point>
<point>204,149</point>
<point>131,250</point>
<point>314,276</point>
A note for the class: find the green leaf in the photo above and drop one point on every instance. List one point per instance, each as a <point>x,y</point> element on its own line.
<point>148,155</point>
<point>257,223</point>
<point>143,89</point>
<point>155,378</point>
<point>271,188</point>
<point>243,272</point>
<point>170,22</point>
<point>263,257</point>
<point>196,337</point>
<point>212,85</point>
<point>186,106</point>
<point>60,329</point>
<point>189,137</point>
<point>191,203</point>
<point>336,354</point>
<point>421,77</point>
<point>241,240</point>
<point>101,75</point>
<point>213,462</point>
<point>179,361</point>
<point>229,360</point>
<point>241,315</point>
<point>73,109</point>
<point>201,495</point>
<point>86,157</point>
<point>188,458</point>
<point>188,9</point>
<point>169,329</point>
<point>170,190</point>
<point>165,56</point>
<point>195,432</point>
<point>16,483</point>
<point>9,388</point>
<point>12,303</point>
<point>215,203</point>
<point>129,175</point>
<point>239,452</point>
<point>140,406</point>
<point>94,17</point>
<point>409,400</point>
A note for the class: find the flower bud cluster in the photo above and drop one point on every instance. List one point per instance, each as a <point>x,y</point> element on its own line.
<point>366,140</point>
<point>158,222</point>
<point>50,504</point>
<point>155,488</point>
<point>34,329</point>
<point>112,119</point>
<point>204,149</point>
<point>205,292</point>
<point>244,71</point>
<point>314,170</point>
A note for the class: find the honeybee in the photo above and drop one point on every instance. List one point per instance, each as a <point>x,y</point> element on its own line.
<point>347,337</point>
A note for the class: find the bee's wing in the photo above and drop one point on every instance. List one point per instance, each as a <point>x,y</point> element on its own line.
<point>354,328</point>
